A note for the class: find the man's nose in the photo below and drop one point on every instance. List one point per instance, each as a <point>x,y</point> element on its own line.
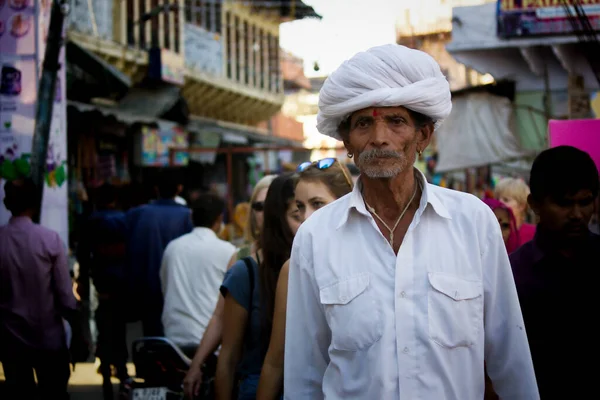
<point>577,212</point>
<point>379,137</point>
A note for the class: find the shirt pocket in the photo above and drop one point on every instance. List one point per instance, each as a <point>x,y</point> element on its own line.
<point>353,314</point>
<point>455,308</point>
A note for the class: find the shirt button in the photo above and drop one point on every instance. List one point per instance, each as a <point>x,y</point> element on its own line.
<point>406,350</point>
<point>402,294</point>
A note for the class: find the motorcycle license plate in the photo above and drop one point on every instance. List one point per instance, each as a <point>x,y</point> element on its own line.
<point>157,393</point>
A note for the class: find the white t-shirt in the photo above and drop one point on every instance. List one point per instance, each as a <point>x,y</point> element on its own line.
<point>192,270</point>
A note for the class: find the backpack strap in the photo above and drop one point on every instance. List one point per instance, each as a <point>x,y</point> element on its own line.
<point>250,269</point>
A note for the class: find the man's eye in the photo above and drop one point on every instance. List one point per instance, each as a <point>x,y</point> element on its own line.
<point>362,124</point>
<point>397,121</point>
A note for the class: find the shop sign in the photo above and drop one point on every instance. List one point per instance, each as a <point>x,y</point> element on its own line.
<point>23,34</point>
<point>203,50</point>
<point>581,133</point>
<point>205,139</point>
<point>527,18</point>
<point>166,66</point>
<point>157,143</point>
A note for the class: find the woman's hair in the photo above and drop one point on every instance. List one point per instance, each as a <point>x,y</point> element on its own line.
<point>276,243</point>
<point>337,178</point>
<point>251,232</point>
<point>513,188</point>
<point>513,240</point>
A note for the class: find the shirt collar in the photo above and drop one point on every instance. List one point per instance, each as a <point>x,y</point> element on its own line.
<point>201,231</point>
<point>428,197</point>
<point>543,244</point>
<point>20,221</point>
<point>168,202</point>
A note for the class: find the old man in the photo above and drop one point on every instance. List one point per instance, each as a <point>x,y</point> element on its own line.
<point>401,289</point>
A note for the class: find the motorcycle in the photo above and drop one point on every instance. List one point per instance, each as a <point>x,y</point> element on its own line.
<point>160,367</point>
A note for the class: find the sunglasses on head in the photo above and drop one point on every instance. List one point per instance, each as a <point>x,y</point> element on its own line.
<point>258,206</point>
<point>325,163</point>
<point>321,164</point>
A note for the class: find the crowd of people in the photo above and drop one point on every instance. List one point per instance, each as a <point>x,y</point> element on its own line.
<point>384,287</point>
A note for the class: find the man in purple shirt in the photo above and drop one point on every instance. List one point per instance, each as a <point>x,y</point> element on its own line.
<point>35,297</point>
<point>557,275</point>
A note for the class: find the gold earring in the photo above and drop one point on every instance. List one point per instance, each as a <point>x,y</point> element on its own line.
<point>420,152</point>
<point>350,155</point>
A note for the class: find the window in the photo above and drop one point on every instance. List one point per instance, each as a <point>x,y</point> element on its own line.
<point>206,14</point>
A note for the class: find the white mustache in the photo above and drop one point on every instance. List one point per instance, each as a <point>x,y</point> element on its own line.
<point>371,155</point>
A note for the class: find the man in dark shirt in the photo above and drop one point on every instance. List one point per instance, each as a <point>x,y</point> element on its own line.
<point>556,274</point>
<point>150,228</point>
<point>102,251</point>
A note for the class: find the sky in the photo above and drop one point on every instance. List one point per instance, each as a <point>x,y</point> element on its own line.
<point>347,27</point>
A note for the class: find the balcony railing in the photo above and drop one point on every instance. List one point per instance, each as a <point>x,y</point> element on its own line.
<point>216,37</point>
<point>134,24</point>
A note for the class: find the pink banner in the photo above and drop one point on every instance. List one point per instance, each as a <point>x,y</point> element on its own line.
<point>581,133</point>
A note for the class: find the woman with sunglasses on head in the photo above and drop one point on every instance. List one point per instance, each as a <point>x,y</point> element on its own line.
<point>319,184</point>
<point>212,337</point>
<point>249,290</point>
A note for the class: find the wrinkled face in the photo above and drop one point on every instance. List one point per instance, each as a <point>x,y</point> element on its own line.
<point>504,221</point>
<point>293,217</point>
<point>568,217</point>
<point>310,196</point>
<point>258,208</point>
<point>385,140</point>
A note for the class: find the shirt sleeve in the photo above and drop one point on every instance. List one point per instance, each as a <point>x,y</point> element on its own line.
<point>237,284</point>
<point>507,355</point>
<point>61,278</point>
<point>307,336</point>
<point>164,267</point>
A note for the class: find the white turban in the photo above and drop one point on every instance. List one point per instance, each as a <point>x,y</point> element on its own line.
<point>384,76</point>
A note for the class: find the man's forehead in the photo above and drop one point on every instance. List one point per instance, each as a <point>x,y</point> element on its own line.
<point>580,195</point>
<point>583,194</point>
<point>374,111</point>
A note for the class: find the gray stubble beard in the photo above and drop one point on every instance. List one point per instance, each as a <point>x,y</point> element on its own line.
<point>375,172</point>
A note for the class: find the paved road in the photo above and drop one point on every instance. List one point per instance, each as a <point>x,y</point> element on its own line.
<point>85,382</point>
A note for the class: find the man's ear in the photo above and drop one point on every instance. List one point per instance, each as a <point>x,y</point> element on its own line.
<point>425,134</point>
<point>534,204</point>
<point>348,146</point>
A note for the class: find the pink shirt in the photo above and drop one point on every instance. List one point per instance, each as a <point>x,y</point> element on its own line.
<point>35,285</point>
<point>526,233</point>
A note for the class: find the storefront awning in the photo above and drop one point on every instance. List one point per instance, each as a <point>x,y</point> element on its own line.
<point>478,132</point>
<point>475,43</point>
<point>230,133</point>
<point>95,66</point>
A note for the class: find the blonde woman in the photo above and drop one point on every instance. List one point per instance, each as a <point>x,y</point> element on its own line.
<point>212,336</point>
<point>513,193</point>
<point>319,183</point>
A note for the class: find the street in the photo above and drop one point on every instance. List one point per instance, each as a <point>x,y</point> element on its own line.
<point>85,382</point>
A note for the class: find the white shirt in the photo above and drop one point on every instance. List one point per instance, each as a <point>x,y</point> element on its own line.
<point>365,323</point>
<point>192,271</point>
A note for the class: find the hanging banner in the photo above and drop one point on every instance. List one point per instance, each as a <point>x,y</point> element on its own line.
<point>581,133</point>
<point>157,142</point>
<point>526,18</point>
<point>20,65</point>
<point>17,27</point>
